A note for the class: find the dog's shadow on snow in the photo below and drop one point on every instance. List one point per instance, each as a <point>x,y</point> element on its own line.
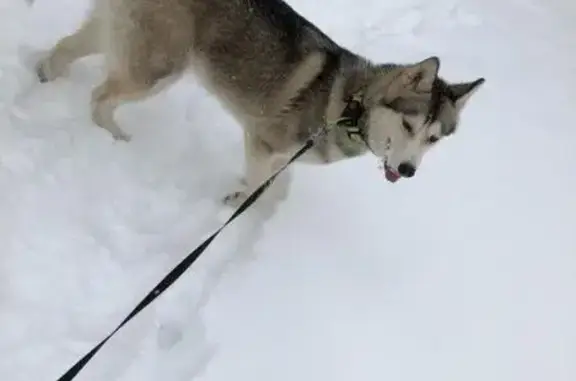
<point>250,228</point>
<point>175,336</point>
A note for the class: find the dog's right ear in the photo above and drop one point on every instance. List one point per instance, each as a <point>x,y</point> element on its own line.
<point>420,76</point>
<point>461,92</point>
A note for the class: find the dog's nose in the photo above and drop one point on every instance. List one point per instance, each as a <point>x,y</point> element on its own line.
<point>406,169</point>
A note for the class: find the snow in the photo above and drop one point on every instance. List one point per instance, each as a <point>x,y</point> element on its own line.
<point>466,272</point>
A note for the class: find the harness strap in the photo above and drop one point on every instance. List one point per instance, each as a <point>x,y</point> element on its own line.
<point>350,120</point>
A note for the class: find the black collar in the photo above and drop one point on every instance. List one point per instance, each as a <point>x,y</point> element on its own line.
<point>350,120</point>
<point>352,113</point>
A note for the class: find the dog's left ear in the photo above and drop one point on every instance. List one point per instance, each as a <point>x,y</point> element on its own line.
<point>461,92</point>
<point>420,76</point>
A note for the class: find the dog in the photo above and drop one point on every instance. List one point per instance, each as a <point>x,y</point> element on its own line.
<point>280,77</point>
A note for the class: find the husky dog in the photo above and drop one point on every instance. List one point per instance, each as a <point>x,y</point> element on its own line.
<point>279,76</point>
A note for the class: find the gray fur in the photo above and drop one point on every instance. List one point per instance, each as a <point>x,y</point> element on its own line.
<point>281,77</point>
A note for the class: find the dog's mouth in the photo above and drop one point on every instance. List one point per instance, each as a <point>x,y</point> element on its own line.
<point>391,174</point>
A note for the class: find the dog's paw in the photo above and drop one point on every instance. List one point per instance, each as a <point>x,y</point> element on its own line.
<point>235,199</point>
<point>44,71</point>
<point>122,137</point>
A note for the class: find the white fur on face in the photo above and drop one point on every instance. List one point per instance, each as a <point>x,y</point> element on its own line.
<point>390,140</point>
<point>382,123</point>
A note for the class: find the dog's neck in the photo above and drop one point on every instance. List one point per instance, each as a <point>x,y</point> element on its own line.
<point>345,119</point>
<point>346,110</point>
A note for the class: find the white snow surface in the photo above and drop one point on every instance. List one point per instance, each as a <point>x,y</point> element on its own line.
<point>465,272</point>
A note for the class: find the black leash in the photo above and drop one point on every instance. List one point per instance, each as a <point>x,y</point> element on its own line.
<point>349,119</point>
<point>184,265</point>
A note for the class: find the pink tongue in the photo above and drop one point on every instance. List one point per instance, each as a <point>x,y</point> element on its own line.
<point>392,175</point>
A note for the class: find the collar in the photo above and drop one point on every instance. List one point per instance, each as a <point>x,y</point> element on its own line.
<point>350,120</point>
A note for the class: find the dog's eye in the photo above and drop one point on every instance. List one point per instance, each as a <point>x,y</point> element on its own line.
<point>433,139</point>
<point>407,127</point>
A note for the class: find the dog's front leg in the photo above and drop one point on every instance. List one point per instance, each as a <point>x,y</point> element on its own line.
<point>261,163</point>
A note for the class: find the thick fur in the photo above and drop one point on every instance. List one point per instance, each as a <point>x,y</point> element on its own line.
<point>280,76</point>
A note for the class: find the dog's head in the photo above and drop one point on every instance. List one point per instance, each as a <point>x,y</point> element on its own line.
<point>408,110</point>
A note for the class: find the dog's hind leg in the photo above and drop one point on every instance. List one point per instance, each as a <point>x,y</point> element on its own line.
<point>82,43</point>
<point>121,87</point>
<point>146,51</point>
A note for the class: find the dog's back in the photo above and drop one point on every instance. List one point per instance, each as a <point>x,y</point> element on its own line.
<point>251,48</point>
<point>251,54</point>
<point>244,50</point>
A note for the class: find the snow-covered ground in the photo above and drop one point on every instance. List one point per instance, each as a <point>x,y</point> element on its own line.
<point>466,272</point>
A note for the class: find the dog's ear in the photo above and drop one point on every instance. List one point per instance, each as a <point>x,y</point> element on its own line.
<point>420,76</point>
<point>461,92</point>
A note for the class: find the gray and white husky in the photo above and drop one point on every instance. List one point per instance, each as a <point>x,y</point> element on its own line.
<point>278,74</point>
